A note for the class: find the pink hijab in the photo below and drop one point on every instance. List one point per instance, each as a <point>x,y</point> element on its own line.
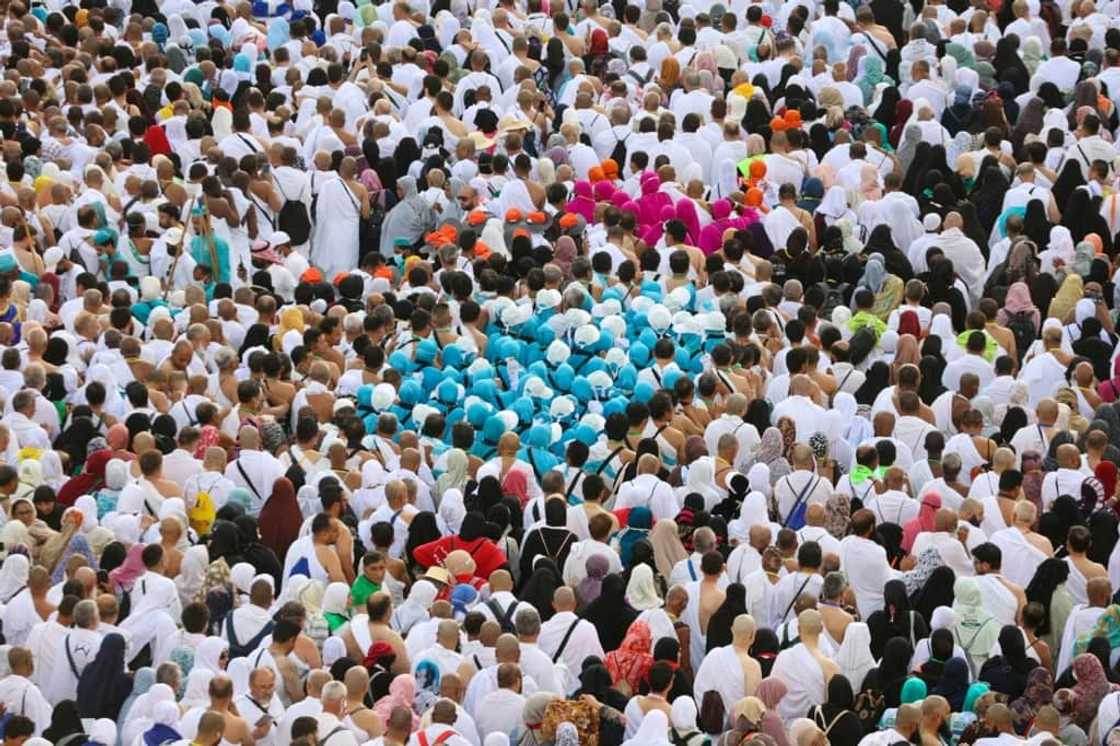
<point>686,213</point>
<point>931,503</point>
<point>583,203</point>
<point>402,692</point>
<point>131,569</point>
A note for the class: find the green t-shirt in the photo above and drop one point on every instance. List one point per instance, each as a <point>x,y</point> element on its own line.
<point>362,589</point>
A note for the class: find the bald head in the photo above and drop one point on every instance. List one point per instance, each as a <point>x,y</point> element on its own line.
<point>447,634</point>
<point>500,580</point>
<point>564,599</point>
<point>357,682</point>
<point>507,649</point>
<point>809,623</point>
<point>743,630</point>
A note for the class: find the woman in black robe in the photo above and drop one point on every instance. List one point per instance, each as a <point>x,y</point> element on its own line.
<point>1007,672</point>
<point>719,626</point>
<point>104,685</point>
<point>836,716</point>
<point>552,540</point>
<point>895,619</point>
<point>881,241</point>
<point>610,613</point>
<point>891,673</point>
<point>263,559</point>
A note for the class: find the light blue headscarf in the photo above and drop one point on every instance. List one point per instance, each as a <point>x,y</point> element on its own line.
<point>279,33</point>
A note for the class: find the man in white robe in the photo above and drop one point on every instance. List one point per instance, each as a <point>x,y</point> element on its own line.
<point>79,647</point>
<point>1045,371</point>
<point>719,668</point>
<point>506,650</point>
<point>807,580</point>
<point>500,711</point>
<point>804,669</point>
<point>334,243</point>
<point>944,539</point>
<point>1081,568</point>
<point>566,638</point>
<point>1002,598</point>
<point>20,695</point>
<point>865,563</point>
<point>1020,547</point>
<point>968,262</point>
<point>1082,619</point>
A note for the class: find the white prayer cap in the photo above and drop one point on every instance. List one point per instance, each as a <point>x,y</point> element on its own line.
<point>616,325</point>
<point>558,352</point>
<point>548,298</point>
<point>562,406</point>
<point>943,617</point>
<point>333,649</point>
<point>149,288</point>
<point>383,396</point>
<point>659,317</point>
<point>51,258</point>
<point>932,222</point>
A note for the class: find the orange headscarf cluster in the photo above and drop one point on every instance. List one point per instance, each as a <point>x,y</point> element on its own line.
<point>443,235</point>
<point>596,174</point>
<point>610,169</point>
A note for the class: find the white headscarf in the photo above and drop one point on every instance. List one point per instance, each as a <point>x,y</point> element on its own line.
<point>13,576</point>
<point>641,593</point>
<point>684,713</point>
<point>198,688</point>
<point>854,657</point>
<point>208,654</point>
<point>702,479</point>
<point>654,731</point>
<point>452,510</point>
<point>415,607</point>
<point>335,598</point>
<point>192,573</point>
<point>752,512</point>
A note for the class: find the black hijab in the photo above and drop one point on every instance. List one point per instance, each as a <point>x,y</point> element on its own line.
<point>893,670</point>
<point>895,261</point>
<point>1049,575</point>
<point>422,530</point>
<point>263,559</point>
<point>65,721</point>
<point>1014,421</point>
<point>836,715</point>
<point>540,586</point>
<point>895,619</point>
<point>878,378</point>
<point>719,626</point>
<point>225,542</point>
<point>610,613</point>
<point>1069,178</point>
<point>256,336</point>
<point>764,649</point>
<point>938,591</point>
<point>104,686</point>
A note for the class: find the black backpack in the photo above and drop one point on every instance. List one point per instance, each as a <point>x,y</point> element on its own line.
<point>1022,326</point>
<point>293,219</point>
<point>618,153</point>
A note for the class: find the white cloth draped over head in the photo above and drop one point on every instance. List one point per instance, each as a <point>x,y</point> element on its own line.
<point>854,656</point>
<point>683,715</point>
<point>758,477</point>
<point>452,510</point>
<point>192,573</point>
<point>415,607</point>
<point>13,576</point>
<point>198,688</point>
<point>854,429</point>
<point>641,593</point>
<point>752,512</point>
<point>241,575</point>
<point>142,715</point>
<point>150,621</point>
<point>702,479</point>
<point>654,731</point>
<point>336,598</point>
<point>208,654</point>
<point>333,649</point>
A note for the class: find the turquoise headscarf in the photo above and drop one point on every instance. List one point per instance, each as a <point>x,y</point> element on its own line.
<point>872,76</point>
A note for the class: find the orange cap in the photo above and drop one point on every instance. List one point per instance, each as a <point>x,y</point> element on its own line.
<point>754,197</point>
<point>476,217</point>
<point>568,220</point>
<point>513,215</point>
<point>793,117</point>
<point>610,168</point>
<point>537,218</point>
<point>312,275</point>
<point>596,173</point>
<point>339,277</point>
<point>520,232</point>
<point>777,124</point>
<point>757,168</point>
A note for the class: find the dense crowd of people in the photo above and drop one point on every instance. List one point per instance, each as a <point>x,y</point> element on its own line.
<point>538,373</point>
